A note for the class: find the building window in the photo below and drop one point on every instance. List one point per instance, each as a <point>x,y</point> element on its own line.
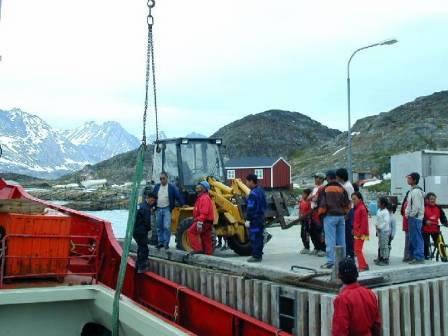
<point>259,173</point>
<point>230,174</point>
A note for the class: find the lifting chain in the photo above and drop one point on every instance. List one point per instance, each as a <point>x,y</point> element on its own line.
<point>150,72</point>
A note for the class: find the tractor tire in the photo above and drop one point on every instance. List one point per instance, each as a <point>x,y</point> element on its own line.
<point>240,248</point>
<point>182,241</point>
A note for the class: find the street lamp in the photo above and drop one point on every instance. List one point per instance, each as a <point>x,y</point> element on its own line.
<point>349,137</point>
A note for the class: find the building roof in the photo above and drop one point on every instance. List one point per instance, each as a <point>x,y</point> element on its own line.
<point>252,162</point>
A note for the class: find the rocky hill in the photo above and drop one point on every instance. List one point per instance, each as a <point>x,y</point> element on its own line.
<point>421,124</point>
<point>117,170</point>
<point>32,147</point>
<point>273,133</point>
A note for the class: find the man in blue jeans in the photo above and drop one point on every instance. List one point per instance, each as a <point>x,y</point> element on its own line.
<point>167,195</point>
<point>414,212</point>
<point>333,205</point>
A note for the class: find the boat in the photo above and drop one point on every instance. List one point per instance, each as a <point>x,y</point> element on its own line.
<point>59,270</point>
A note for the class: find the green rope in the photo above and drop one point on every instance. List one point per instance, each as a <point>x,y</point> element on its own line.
<point>138,176</point>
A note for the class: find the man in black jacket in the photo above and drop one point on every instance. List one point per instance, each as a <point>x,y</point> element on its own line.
<point>141,229</point>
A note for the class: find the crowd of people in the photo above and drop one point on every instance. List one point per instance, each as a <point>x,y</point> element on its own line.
<point>335,213</point>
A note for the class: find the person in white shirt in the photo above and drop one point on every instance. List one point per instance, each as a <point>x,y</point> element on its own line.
<point>383,232</point>
<point>414,212</point>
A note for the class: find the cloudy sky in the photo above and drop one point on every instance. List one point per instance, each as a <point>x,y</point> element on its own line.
<point>71,61</point>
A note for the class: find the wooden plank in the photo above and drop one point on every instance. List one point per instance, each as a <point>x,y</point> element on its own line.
<point>405,302</point>
<point>21,206</point>
<point>275,305</point>
<point>435,308</point>
<point>426,311</point>
<point>395,311</point>
<point>313,315</point>
<point>197,280</point>
<point>383,298</point>
<point>266,302</point>
<point>443,287</point>
<point>183,276</point>
<point>248,297</point>
<point>190,278</point>
<point>257,302</point>
<point>240,294</point>
<point>326,315</point>
<point>225,289</point>
<point>217,287</point>
<point>203,282</point>
<point>232,291</point>
<point>209,285</point>
<point>416,311</point>
<point>301,327</point>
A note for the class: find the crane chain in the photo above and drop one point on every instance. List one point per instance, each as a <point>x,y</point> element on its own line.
<point>150,72</point>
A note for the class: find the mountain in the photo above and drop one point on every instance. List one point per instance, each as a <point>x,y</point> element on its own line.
<point>272,133</point>
<point>32,147</point>
<point>420,124</point>
<point>99,142</point>
<point>195,135</point>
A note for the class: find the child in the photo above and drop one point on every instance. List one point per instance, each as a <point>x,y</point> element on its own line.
<point>360,229</point>
<point>304,218</point>
<point>431,228</point>
<point>383,232</point>
<point>393,224</point>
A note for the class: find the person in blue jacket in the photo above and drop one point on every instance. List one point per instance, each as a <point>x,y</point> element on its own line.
<point>141,229</point>
<point>167,195</point>
<point>256,207</point>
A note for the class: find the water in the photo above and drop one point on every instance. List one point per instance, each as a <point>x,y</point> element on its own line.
<point>118,218</point>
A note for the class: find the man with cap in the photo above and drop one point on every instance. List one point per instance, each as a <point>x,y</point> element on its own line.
<point>200,232</point>
<point>356,309</point>
<point>141,229</point>
<point>414,213</point>
<point>316,227</point>
<point>333,206</point>
<point>256,206</point>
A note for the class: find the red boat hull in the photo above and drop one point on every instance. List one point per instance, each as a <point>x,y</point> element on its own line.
<point>173,302</point>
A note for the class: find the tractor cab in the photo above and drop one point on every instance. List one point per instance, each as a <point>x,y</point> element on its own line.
<point>187,161</point>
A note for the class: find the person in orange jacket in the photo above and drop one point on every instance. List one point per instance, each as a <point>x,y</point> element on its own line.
<point>360,229</point>
<point>431,228</point>
<point>200,232</point>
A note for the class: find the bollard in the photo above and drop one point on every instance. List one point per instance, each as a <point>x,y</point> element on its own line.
<point>339,254</point>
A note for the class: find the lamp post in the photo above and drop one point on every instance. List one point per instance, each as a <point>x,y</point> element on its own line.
<point>349,137</point>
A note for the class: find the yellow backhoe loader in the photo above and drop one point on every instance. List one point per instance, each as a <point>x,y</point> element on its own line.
<point>188,161</point>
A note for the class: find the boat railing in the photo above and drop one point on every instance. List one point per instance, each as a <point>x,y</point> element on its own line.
<point>78,257</point>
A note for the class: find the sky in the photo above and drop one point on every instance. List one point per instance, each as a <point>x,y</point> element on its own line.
<point>217,61</point>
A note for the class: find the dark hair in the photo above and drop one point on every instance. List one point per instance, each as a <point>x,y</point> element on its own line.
<point>348,273</point>
<point>252,177</point>
<point>415,177</point>
<point>342,173</point>
<point>151,195</point>
<point>359,195</point>
<point>392,207</point>
<point>307,191</point>
<point>330,174</point>
<point>430,194</point>
<point>384,201</point>
<point>164,173</point>
<point>356,186</point>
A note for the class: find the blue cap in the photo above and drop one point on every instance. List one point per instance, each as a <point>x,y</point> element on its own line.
<point>205,185</point>
<point>331,174</point>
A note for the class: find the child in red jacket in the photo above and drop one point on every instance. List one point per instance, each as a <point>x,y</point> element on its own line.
<point>360,229</point>
<point>431,228</point>
<point>305,218</point>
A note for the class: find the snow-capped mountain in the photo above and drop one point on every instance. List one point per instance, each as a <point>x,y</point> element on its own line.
<point>101,141</point>
<point>32,147</point>
<point>195,135</point>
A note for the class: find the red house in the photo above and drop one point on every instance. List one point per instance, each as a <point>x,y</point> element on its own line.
<point>271,172</point>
